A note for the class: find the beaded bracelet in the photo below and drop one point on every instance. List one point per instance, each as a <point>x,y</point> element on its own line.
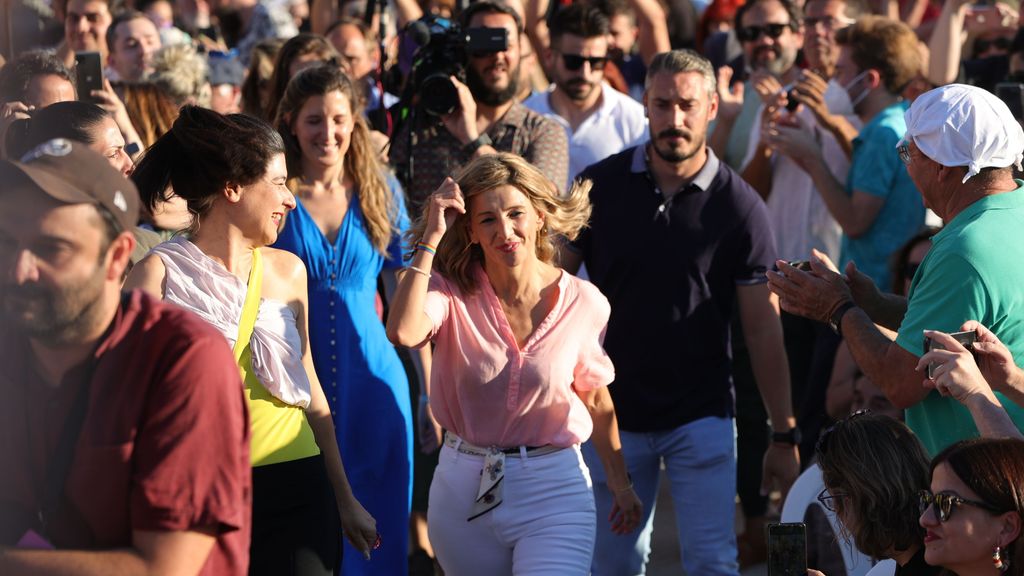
<point>432,250</point>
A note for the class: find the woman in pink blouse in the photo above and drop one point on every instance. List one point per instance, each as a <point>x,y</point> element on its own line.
<point>519,376</point>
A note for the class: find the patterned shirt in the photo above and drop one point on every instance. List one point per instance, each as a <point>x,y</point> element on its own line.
<point>437,153</point>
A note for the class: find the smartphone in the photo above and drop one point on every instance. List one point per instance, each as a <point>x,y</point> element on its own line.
<point>804,265</point>
<point>965,338</point>
<point>1012,93</point>
<point>791,103</point>
<point>787,549</point>
<point>88,74</point>
<point>486,40</point>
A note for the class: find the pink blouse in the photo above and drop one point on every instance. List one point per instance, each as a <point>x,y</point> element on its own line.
<point>492,393</point>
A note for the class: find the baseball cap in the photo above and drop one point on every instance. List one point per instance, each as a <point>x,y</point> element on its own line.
<point>70,172</point>
<point>224,68</point>
<point>961,125</point>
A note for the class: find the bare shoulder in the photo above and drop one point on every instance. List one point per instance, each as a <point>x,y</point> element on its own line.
<point>284,274</point>
<point>148,275</point>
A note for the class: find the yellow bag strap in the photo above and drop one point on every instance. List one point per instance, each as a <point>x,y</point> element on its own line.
<point>250,308</point>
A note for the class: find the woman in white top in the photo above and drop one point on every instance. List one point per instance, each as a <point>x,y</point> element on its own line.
<point>231,171</point>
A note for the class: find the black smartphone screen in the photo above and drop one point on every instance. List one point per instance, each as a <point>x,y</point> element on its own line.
<point>787,549</point>
<point>88,74</point>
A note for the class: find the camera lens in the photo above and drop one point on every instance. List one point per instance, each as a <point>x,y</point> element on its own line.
<point>438,95</point>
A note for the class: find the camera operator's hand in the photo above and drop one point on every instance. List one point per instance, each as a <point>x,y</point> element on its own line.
<point>462,122</point>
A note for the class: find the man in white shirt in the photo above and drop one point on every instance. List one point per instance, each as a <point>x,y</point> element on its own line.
<point>599,121</point>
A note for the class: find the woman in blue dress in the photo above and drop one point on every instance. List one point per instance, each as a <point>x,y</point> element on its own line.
<point>347,227</point>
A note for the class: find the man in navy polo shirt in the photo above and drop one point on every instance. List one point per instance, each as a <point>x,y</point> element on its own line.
<point>676,238</point>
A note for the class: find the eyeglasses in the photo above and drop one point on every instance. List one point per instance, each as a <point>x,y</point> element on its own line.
<point>945,503</point>
<point>753,33</point>
<point>828,22</point>
<point>903,149</point>
<point>821,446</point>
<point>575,61</point>
<point>981,45</point>
<point>827,499</point>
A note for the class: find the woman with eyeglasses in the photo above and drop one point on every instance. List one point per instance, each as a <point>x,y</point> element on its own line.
<point>874,468</point>
<point>974,510</point>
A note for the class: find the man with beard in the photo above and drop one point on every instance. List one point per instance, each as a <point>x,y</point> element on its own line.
<point>769,31</point>
<point>676,238</point>
<point>599,120</point>
<point>123,425</point>
<point>487,119</point>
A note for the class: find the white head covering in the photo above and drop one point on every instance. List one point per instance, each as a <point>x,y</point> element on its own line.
<point>960,125</point>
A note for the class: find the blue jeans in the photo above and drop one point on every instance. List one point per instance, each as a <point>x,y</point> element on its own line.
<point>700,459</point>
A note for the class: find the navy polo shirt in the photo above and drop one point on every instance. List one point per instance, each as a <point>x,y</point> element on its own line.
<point>670,267</point>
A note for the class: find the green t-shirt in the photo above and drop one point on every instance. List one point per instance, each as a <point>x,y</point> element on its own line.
<point>974,271</point>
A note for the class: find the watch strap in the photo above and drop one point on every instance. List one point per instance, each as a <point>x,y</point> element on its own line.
<point>480,141</point>
<point>835,320</point>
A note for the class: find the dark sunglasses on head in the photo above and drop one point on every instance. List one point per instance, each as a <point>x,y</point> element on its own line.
<point>982,45</point>
<point>575,61</point>
<point>753,33</point>
<point>821,446</point>
<point>945,503</point>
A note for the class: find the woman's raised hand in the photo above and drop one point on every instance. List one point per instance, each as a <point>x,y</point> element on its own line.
<point>443,206</point>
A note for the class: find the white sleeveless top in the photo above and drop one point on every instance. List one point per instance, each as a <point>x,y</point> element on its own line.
<point>200,284</point>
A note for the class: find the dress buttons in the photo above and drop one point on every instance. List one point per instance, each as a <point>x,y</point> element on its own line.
<point>334,370</point>
<point>332,330</point>
<point>332,342</point>
<point>333,357</point>
<point>332,316</point>
<point>334,384</point>
<point>331,303</point>
<point>334,399</point>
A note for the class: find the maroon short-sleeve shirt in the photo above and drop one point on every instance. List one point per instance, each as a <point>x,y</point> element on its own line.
<point>164,445</point>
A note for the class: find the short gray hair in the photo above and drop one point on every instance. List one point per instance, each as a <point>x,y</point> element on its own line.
<point>680,61</point>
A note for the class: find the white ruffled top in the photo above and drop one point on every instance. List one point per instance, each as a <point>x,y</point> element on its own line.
<point>197,282</point>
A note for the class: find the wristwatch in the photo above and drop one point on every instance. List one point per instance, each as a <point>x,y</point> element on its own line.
<point>482,140</point>
<point>793,437</point>
<point>835,321</point>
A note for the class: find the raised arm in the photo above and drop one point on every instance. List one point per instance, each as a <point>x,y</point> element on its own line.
<point>408,325</point>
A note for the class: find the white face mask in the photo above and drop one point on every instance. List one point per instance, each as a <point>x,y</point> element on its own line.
<point>854,100</point>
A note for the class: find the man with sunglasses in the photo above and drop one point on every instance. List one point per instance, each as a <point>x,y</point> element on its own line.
<point>488,118</point>
<point>598,120</point>
<point>960,147</point>
<point>769,31</point>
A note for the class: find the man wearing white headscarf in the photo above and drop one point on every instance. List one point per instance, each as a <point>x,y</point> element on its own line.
<point>960,149</point>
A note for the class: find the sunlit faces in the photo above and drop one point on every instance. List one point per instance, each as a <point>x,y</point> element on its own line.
<point>85,25</point>
<point>323,128</point>
<point>349,41</point>
<point>579,84</point>
<point>493,78</point>
<point>963,543</point>
<point>265,202</point>
<point>53,270</point>
<point>822,18</point>
<point>765,52</point>
<point>46,89</point>
<point>109,142</point>
<point>505,225</point>
<point>679,108</point>
<point>135,43</point>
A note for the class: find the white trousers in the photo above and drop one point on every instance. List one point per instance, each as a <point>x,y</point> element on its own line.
<point>545,525</point>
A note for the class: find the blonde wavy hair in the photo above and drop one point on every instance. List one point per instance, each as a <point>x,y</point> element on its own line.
<point>564,216</point>
<point>362,162</point>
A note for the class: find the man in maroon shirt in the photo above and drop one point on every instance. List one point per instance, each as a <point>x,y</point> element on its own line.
<point>123,427</point>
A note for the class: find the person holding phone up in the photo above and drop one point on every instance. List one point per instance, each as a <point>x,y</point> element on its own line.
<point>519,378</point>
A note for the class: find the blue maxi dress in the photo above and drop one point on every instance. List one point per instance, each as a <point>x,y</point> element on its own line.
<point>361,374</point>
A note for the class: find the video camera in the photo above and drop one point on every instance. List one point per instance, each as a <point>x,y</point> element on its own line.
<point>444,48</point>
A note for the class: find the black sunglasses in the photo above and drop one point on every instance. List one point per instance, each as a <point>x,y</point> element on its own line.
<point>753,33</point>
<point>945,503</point>
<point>575,61</point>
<point>982,45</point>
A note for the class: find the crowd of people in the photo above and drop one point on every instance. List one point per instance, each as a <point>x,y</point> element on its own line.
<point>420,287</point>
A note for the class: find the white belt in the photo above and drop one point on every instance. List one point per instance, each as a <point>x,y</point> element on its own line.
<point>489,494</point>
